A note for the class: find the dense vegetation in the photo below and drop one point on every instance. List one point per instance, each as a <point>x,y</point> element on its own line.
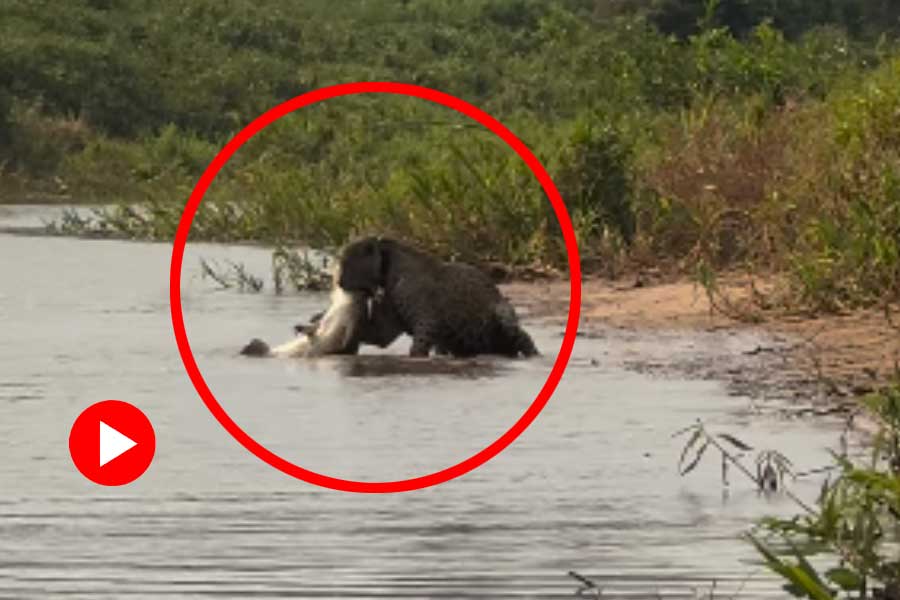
<point>713,134</point>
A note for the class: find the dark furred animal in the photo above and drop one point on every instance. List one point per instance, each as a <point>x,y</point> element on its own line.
<point>450,307</point>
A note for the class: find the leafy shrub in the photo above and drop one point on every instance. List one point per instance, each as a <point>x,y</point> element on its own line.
<point>38,144</point>
<point>5,118</point>
<point>850,246</point>
<point>794,17</point>
<point>594,177</point>
<point>712,188</point>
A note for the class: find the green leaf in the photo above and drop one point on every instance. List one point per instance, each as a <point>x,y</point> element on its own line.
<point>809,570</point>
<point>696,460</point>
<point>690,444</point>
<point>773,562</point>
<point>808,584</point>
<point>803,580</point>
<point>681,432</point>
<point>735,442</point>
<point>847,579</point>
<point>794,590</point>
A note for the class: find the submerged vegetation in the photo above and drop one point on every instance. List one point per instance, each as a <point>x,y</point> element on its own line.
<point>724,134</point>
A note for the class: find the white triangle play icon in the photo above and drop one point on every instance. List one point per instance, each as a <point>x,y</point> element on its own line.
<point>113,444</point>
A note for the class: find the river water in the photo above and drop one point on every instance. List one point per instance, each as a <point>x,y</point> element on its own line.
<point>591,486</point>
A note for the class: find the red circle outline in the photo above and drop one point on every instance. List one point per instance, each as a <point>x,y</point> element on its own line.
<point>314,97</point>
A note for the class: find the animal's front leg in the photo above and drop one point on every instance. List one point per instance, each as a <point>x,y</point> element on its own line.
<point>382,324</point>
<point>421,345</point>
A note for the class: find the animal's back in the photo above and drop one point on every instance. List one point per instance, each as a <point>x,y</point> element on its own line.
<point>448,307</point>
<point>469,314</point>
<point>468,308</point>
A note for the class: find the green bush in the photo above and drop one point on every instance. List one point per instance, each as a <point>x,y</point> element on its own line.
<point>850,245</point>
<point>794,17</point>
<point>5,118</point>
<point>594,177</point>
<point>729,134</point>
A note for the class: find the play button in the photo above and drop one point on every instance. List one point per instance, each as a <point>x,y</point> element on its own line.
<point>112,443</point>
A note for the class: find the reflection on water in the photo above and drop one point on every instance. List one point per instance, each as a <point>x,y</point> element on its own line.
<point>591,486</point>
<point>394,365</point>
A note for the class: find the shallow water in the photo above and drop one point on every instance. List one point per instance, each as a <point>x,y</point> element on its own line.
<point>591,486</point>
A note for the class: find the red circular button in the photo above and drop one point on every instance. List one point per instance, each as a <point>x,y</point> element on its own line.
<point>112,443</point>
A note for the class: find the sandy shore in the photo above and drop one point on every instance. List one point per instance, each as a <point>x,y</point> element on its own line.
<point>821,363</point>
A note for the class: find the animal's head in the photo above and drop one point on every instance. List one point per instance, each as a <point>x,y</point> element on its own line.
<point>363,265</point>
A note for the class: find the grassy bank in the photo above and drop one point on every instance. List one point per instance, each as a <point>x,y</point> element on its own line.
<point>692,136</point>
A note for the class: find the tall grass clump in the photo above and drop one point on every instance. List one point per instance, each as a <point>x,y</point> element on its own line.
<point>849,246</point>
<point>714,188</point>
